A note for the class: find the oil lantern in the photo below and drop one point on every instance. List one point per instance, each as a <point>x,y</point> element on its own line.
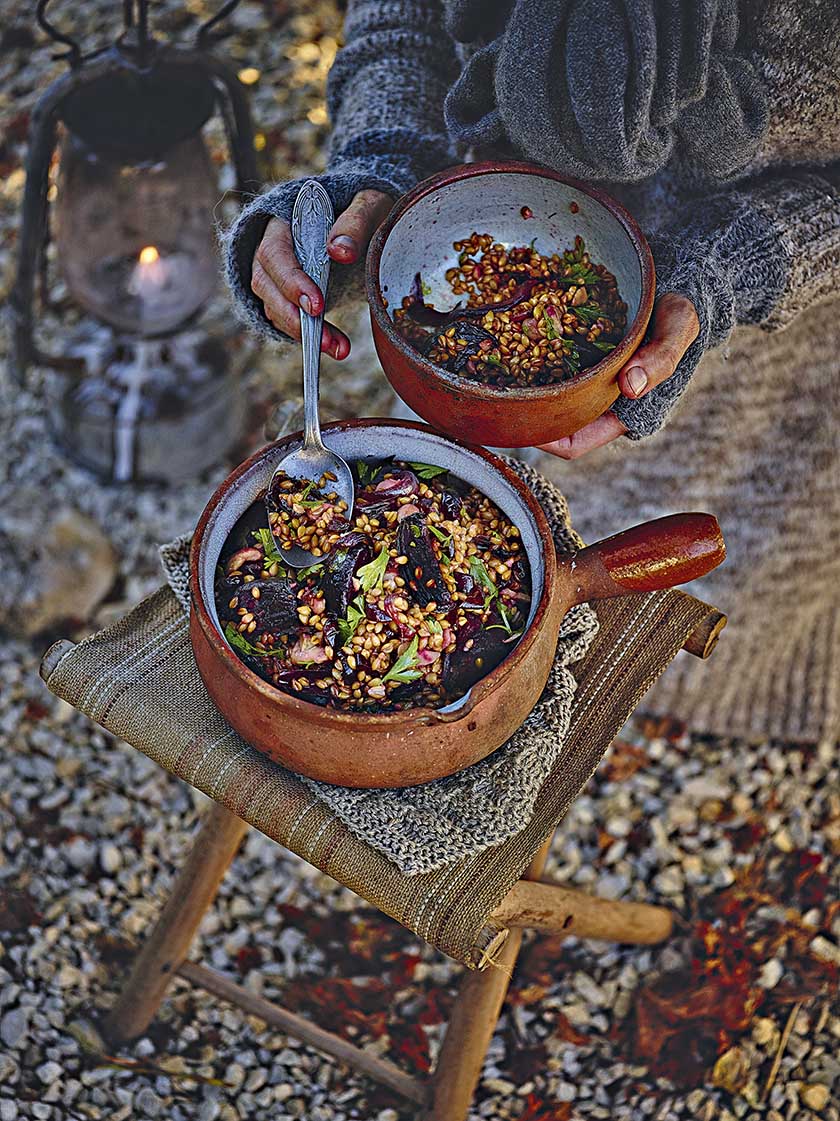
<point>130,208</point>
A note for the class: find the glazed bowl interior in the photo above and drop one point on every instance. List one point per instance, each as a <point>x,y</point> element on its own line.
<point>492,202</point>
<point>374,441</point>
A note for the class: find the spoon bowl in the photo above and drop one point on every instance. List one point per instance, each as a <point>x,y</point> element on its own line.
<point>312,219</point>
<point>309,463</point>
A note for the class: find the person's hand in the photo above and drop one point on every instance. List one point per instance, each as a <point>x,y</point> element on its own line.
<point>675,327</point>
<point>282,285</point>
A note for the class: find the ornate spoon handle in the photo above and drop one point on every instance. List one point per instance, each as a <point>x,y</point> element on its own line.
<point>312,219</point>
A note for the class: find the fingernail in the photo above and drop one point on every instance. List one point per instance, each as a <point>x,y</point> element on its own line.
<point>636,379</point>
<point>345,243</point>
<point>306,304</point>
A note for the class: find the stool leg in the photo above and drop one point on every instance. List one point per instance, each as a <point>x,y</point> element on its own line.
<point>547,906</point>
<point>168,944</point>
<point>472,1024</point>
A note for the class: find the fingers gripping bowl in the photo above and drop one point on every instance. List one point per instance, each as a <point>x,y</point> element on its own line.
<point>520,205</point>
<point>392,749</point>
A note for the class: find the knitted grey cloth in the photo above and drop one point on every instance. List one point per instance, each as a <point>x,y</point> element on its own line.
<point>607,89</point>
<point>427,827</point>
<point>613,90</point>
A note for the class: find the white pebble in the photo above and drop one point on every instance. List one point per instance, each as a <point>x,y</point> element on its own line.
<point>235,1075</point>
<point>209,1109</point>
<point>669,881</point>
<point>13,1028</point>
<point>771,974</point>
<point>706,787</point>
<point>110,858</point>
<point>49,1072</point>
<point>783,840</point>
<point>815,1096</point>
<point>148,1103</point>
<point>80,853</point>
<point>826,950</point>
<point>499,1086</point>
<point>587,988</point>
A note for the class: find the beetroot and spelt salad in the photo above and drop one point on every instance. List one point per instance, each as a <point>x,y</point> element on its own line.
<point>425,592</point>
<point>527,318</point>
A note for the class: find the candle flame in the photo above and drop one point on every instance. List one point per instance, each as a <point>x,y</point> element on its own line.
<point>148,255</point>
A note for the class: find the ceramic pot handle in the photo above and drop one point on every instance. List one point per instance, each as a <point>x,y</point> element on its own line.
<point>651,556</point>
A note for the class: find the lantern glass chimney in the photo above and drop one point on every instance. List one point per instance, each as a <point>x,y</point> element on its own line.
<point>135,239</point>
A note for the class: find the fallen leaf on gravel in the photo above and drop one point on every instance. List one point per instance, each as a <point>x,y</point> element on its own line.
<point>624,760</point>
<point>525,1064</point>
<point>17,911</point>
<point>410,1044</point>
<point>690,1019</point>
<point>565,1030</point>
<point>536,1109</point>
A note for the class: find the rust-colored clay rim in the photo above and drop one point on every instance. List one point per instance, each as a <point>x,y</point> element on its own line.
<point>336,717</point>
<point>623,352</point>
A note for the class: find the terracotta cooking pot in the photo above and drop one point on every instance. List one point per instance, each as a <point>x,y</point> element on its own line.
<point>515,202</point>
<point>404,748</point>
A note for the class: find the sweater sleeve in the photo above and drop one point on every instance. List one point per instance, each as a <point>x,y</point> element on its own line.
<point>759,253</point>
<point>385,97</point>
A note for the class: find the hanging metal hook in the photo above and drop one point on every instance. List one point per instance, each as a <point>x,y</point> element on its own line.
<point>143,38</point>
<point>74,52</point>
<point>202,38</point>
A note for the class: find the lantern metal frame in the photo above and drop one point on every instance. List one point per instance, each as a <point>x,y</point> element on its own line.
<point>136,56</point>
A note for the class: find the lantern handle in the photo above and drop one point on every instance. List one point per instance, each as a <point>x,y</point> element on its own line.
<point>74,53</point>
<point>203,34</point>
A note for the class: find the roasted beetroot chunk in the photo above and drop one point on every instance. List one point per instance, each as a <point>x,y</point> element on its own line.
<point>468,342</point>
<point>422,573</point>
<point>273,605</point>
<point>351,552</point>
<point>463,668</point>
<point>427,316</point>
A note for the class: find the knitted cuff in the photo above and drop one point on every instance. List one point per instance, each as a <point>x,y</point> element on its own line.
<point>759,255</point>
<point>806,212</point>
<point>240,241</point>
<point>729,260</point>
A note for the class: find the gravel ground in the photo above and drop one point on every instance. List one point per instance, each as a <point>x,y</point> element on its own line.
<point>91,832</point>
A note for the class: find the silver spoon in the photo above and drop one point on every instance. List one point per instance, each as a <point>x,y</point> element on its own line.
<point>312,220</point>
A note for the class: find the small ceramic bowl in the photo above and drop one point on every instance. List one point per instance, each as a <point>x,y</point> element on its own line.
<point>516,203</point>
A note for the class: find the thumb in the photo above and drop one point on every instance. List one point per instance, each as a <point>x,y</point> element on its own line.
<point>675,327</point>
<point>354,227</point>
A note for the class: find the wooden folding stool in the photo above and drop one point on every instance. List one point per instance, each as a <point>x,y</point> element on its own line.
<point>476,911</point>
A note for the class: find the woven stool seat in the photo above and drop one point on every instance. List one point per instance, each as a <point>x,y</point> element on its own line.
<point>139,680</point>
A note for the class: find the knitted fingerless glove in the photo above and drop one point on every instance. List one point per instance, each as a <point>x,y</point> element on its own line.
<point>240,241</point>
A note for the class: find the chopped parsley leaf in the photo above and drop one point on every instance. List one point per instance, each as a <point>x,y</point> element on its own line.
<point>372,575</point>
<point>406,668</point>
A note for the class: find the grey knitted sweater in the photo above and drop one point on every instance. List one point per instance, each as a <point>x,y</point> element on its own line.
<point>688,110</point>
